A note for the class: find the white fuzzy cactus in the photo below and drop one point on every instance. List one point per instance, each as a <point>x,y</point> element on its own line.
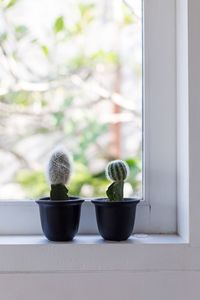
<point>59,167</point>
<point>58,173</point>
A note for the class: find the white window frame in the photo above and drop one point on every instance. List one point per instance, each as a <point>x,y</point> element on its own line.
<point>157,212</point>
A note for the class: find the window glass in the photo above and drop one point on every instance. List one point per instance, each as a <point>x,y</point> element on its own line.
<point>71,74</point>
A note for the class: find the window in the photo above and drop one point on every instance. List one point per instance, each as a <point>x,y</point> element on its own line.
<point>75,76</point>
<point>72,75</point>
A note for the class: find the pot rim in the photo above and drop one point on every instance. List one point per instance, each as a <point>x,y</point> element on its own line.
<point>105,202</point>
<point>71,201</point>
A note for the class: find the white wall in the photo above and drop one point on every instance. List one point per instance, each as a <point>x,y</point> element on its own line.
<point>182,118</point>
<point>102,286</point>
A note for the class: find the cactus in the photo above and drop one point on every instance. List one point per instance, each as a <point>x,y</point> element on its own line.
<point>118,172</point>
<point>58,173</point>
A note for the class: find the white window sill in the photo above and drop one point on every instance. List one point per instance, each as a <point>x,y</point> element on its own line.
<point>34,254</point>
<point>36,240</point>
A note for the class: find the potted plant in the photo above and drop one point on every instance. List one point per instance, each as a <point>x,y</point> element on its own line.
<point>59,213</point>
<point>116,215</point>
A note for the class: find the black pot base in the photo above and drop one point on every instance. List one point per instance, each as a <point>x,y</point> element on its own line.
<point>115,220</point>
<point>60,219</point>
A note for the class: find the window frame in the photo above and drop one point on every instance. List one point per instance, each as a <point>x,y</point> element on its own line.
<point>157,211</point>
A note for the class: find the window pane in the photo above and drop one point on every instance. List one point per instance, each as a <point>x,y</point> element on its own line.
<point>71,74</point>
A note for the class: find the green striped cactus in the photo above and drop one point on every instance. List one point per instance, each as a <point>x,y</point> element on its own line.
<point>117,171</point>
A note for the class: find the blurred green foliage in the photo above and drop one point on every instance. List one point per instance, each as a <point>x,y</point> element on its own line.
<point>11,3</point>
<point>87,130</point>
<point>20,32</point>
<point>83,182</point>
<point>128,16</point>
<point>34,182</point>
<point>45,50</point>
<point>84,61</point>
<point>86,13</point>
<point>59,24</point>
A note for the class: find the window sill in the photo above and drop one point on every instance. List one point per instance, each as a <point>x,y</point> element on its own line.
<point>34,254</point>
<point>26,212</point>
<point>37,240</point>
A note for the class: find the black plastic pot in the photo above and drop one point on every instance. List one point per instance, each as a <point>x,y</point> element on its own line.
<point>60,219</point>
<point>115,220</point>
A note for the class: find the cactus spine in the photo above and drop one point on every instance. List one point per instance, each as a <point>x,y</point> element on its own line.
<point>117,171</point>
<point>58,173</point>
